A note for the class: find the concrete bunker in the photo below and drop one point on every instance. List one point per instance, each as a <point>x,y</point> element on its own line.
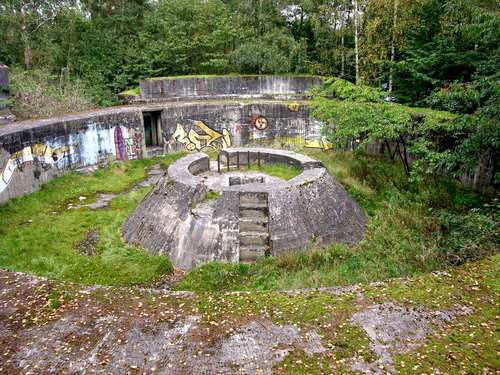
<point>246,220</point>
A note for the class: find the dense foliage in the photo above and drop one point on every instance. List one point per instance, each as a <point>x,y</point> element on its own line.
<point>442,54</point>
<point>426,141</point>
<point>422,49</point>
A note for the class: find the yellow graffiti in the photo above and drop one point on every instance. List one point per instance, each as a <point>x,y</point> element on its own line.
<point>37,152</point>
<point>196,141</point>
<point>294,107</point>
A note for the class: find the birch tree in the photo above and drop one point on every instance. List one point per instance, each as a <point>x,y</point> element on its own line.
<point>30,16</point>
<point>393,44</point>
<point>356,38</point>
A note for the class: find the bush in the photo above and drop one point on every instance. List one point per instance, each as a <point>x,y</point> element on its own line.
<point>254,57</point>
<point>456,98</point>
<point>37,93</point>
<point>344,90</point>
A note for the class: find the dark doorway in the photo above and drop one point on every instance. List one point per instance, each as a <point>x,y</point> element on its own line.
<point>152,128</point>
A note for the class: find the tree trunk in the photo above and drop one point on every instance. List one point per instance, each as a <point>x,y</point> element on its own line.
<point>342,71</point>
<point>25,39</point>
<point>342,26</point>
<point>27,56</point>
<point>393,45</point>
<point>356,39</point>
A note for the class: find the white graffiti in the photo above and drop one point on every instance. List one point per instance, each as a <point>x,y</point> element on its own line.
<point>79,149</point>
<point>43,154</point>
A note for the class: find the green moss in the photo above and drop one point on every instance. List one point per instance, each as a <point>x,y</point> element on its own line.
<point>211,195</point>
<point>280,170</point>
<point>136,91</point>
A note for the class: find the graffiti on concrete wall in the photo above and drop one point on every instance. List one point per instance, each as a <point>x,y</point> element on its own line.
<point>127,143</point>
<point>120,145</point>
<point>93,146</point>
<point>259,122</point>
<point>44,155</point>
<point>291,133</point>
<point>294,107</point>
<point>205,137</point>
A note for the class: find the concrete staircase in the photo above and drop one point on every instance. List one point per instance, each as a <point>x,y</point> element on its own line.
<point>254,229</point>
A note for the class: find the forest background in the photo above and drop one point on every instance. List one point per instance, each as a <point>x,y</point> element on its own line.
<point>69,55</point>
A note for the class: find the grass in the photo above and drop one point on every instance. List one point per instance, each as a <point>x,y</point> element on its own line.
<point>411,230</point>
<point>280,170</point>
<point>39,233</point>
<point>136,91</point>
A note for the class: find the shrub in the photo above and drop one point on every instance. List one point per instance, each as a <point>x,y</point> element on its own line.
<point>456,98</point>
<point>38,93</point>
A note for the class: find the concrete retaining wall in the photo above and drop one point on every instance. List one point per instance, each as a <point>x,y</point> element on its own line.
<point>28,148</point>
<point>312,207</point>
<point>226,86</point>
<point>33,152</point>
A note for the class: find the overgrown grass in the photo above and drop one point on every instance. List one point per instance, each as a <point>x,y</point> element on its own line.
<point>411,230</point>
<point>280,170</point>
<point>39,233</point>
<point>38,93</point>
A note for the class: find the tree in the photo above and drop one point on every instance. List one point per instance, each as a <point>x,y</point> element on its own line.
<point>28,16</point>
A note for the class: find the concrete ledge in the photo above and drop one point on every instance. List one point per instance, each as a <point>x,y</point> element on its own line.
<point>270,155</point>
<point>250,87</point>
<point>185,169</point>
<point>310,207</point>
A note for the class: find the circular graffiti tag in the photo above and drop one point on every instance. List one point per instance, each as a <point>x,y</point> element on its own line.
<point>260,123</point>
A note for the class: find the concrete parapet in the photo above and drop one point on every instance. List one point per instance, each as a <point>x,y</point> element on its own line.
<point>174,219</point>
<point>172,88</point>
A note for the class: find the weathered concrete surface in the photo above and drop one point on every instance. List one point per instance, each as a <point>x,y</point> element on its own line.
<point>96,137</point>
<point>164,223</point>
<point>226,86</point>
<point>310,207</point>
<point>103,330</point>
<point>32,153</point>
<point>395,329</point>
<point>88,335</point>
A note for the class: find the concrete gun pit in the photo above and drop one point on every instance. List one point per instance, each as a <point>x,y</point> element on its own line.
<point>195,214</point>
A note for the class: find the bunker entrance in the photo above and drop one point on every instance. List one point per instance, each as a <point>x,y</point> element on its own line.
<point>152,128</point>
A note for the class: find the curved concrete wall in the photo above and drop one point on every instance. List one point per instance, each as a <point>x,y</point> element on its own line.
<point>310,207</point>
<point>32,152</point>
<point>226,86</point>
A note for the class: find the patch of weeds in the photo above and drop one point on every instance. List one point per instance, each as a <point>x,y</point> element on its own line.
<point>211,195</point>
<point>298,362</point>
<point>214,276</point>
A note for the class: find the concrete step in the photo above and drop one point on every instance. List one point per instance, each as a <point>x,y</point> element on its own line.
<point>253,198</point>
<point>256,220</point>
<point>249,253</point>
<point>246,213</point>
<point>254,238</point>
<point>252,225</point>
<point>254,206</point>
